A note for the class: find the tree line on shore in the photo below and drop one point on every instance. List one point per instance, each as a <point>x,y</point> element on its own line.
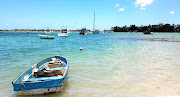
<point>152,28</point>
<point>132,28</point>
<point>36,30</point>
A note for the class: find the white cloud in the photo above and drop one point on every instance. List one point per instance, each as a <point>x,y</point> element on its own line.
<point>117,5</point>
<point>121,9</point>
<point>142,8</point>
<point>143,3</point>
<point>172,12</point>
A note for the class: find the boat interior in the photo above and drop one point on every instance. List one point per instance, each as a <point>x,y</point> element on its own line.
<point>52,68</point>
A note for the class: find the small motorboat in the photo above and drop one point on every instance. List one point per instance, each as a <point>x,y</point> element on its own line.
<point>46,36</point>
<point>83,32</point>
<point>43,77</point>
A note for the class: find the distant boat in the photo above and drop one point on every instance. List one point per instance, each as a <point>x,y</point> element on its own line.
<point>43,77</point>
<point>83,32</point>
<point>148,31</point>
<point>63,32</point>
<point>95,31</point>
<point>1,31</point>
<point>135,31</point>
<point>47,31</point>
<point>46,36</point>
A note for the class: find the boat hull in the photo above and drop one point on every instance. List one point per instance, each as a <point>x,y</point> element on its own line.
<point>40,91</point>
<point>46,36</point>
<point>63,34</point>
<point>83,33</point>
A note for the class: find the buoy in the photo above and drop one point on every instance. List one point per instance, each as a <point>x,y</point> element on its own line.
<point>20,40</point>
<point>81,48</point>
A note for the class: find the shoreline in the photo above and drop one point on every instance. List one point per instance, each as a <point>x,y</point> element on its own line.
<point>70,32</point>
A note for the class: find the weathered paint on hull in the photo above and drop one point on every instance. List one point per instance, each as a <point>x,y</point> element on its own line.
<point>40,91</point>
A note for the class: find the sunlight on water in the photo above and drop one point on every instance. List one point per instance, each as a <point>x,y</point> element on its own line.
<point>110,65</point>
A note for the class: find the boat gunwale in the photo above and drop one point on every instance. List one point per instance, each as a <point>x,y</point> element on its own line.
<point>37,64</point>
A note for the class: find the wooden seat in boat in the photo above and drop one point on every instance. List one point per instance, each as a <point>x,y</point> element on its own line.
<point>59,72</point>
<point>48,73</point>
<point>55,63</point>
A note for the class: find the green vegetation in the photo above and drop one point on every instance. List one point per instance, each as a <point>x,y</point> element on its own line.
<point>153,28</point>
<point>35,30</point>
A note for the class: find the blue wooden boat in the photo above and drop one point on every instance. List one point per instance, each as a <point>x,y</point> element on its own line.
<point>43,77</point>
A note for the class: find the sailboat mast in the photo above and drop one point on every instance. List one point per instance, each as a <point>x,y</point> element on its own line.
<point>94,22</point>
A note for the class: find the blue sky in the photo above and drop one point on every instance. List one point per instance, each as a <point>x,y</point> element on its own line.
<point>39,14</point>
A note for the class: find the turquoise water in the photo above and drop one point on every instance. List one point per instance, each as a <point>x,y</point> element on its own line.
<point>111,64</point>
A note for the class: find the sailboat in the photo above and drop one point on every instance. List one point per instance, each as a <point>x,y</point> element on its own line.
<point>95,31</point>
<point>63,32</point>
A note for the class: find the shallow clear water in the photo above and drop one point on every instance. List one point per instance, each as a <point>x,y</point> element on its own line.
<point>111,64</point>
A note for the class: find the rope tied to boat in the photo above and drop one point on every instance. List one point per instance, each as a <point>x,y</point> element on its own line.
<point>22,84</point>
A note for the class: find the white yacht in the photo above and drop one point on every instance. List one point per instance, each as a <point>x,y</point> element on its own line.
<point>63,32</point>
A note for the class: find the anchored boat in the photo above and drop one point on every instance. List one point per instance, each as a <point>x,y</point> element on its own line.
<point>47,31</point>
<point>83,32</point>
<point>63,32</point>
<point>43,77</point>
<point>46,36</point>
